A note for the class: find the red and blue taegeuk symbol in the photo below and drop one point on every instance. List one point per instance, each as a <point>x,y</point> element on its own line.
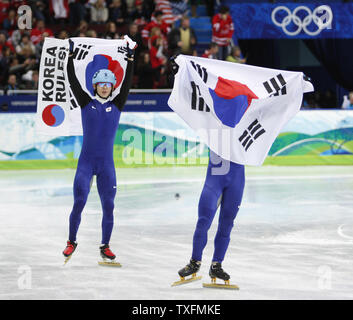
<point>102,61</point>
<point>53,115</point>
<point>231,99</point>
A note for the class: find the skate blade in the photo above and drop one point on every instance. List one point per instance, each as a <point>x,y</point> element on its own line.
<point>67,259</point>
<point>110,264</point>
<point>180,282</point>
<point>220,286</point>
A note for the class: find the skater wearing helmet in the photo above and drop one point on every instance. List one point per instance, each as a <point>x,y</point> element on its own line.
<point>100,120</point>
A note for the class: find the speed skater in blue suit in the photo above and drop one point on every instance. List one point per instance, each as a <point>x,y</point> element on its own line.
<point>100,119</point>
<point>224,186</point>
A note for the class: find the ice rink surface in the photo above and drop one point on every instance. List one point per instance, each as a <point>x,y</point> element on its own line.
<point>293,236</point>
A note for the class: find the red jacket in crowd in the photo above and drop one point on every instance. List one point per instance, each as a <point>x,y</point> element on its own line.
<point>36,34</point>
<point>147,29</point>
<point>222,29</point>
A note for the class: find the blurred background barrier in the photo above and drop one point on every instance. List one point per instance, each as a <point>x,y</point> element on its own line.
<point>157,137</point>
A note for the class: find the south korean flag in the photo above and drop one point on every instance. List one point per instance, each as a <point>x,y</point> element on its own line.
<point>237,110</point>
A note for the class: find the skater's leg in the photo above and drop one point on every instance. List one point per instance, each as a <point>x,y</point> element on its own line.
<point>81,189</point>
<point>231,200</point>
<point>207,209</point>
<point>106,184</point>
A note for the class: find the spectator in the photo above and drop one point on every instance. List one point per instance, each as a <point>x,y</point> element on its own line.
<point>111,32</point>
<point>63,35</point>
<point>77,11</point>
<point>211,52</point>
<point>183,39</point>
<point>235,55</point>
<point>37,32</point>
<point>91,33</point>
<point>156,32</point>
<point>222,31</point>
<point>11,83</point>
<point>5,43</point>
<point>25,43</point>
<point>5,59</point>
<point>21,65</point>
<point>130,5</point>
<point>158,59</point>
<point>35,80</point>
<point>99,12</point>
<point>16,36</point>
<point>10,22</point>
<point>118,12</point>
<point>156,22</point>
<point>39,8</point>
<point>4,9</point>
<point>348,101</point>
<point>82,28</point>
<point>145,72</point>
<point>28,58</point>
<point>141,13</point>
<point>59,9</point>
<point>135,35</point>
<point>39,46</point>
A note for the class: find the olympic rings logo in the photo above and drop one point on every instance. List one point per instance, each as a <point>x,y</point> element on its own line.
<point>322,22</point>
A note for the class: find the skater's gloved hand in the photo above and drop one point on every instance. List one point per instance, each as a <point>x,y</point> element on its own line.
<point>306,78</point>
<point>71,47</point>
<point>174,65</point>
<point>130,53</point>
<point>130,48</point>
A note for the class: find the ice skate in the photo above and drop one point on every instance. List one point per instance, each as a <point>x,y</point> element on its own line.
<point>190,269</point>
<point>108,257</point>
<point>215,272</point>
<point>69,250</point>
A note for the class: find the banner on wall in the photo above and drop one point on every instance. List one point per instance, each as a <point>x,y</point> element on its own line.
<point>292,20</point>
<point>319,134</point>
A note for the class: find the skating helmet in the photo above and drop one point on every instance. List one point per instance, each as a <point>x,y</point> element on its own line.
<point>104,75</point>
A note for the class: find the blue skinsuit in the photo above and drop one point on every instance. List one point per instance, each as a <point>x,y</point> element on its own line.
<point>229,189</point>
<point>100,123</point>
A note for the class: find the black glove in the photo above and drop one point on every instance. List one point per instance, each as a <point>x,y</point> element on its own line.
<point>174,65</point>
<point>130,52</point>
<point>306,78</point>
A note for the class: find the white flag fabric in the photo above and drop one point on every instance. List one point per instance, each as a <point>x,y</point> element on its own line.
<point>237,110</point>
<point>58,113</point>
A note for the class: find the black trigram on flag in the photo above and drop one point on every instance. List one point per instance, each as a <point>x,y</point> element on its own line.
<point>201,71</point>
<point>81,51</point>
<point>197,102</point>
<point>254,131</point>
<point>122,49</point>
<point>276,86</point>
<point>73,104</point>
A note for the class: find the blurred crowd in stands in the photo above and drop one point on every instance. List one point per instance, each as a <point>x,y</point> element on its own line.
<point>161,29</point>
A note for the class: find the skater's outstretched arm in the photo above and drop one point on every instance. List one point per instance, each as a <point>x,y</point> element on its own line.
<point>120,99</point>
<point>81,96</point>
